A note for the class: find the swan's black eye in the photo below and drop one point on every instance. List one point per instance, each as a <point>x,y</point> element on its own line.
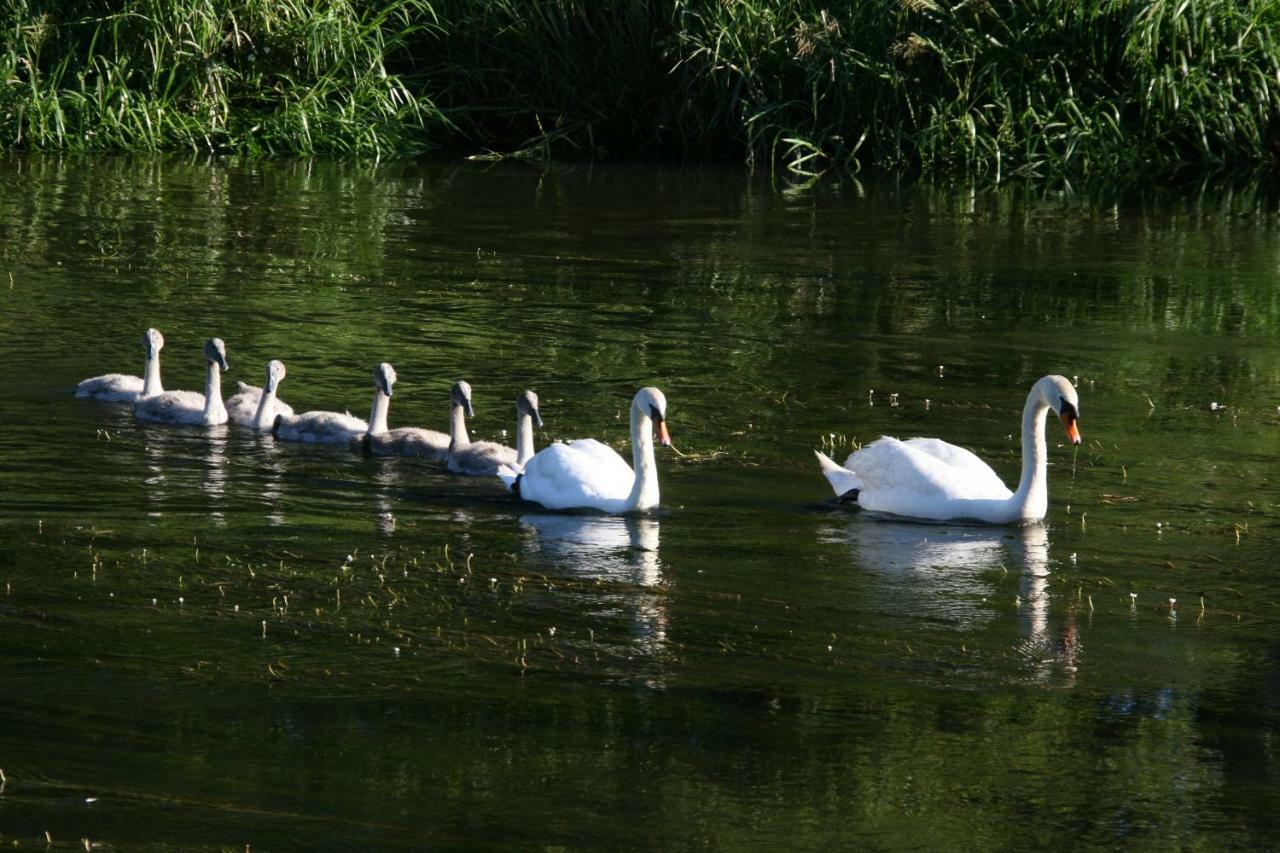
<point>1067,410</point>
<point>655,414</point>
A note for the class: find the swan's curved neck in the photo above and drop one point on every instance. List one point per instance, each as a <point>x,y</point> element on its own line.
<point>266,414</point>
<point>151,376</point>
<point>378,413</point>
<point>644,492</point>
<point>457,427</point>
<point>524,437</point>
<point>213,390</point>
<point>1032,496</point>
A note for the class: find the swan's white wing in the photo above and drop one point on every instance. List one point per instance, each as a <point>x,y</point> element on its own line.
<point>320,427</point>
<point>411,441</point>
<point>967,463</point>
<point>613,464</point>
<point>585,473</point>
<point>112,387</point>
<point>902,479</point>
<point>482,459</point>
<point>172,407</point>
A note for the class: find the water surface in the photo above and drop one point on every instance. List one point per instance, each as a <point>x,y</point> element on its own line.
<point>213,640</point>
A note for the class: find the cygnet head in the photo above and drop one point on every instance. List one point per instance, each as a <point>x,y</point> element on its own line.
<point>275,374</point>
<point>461,396</point>
<point>652,402</point>
<point>153,341</point>
<point>1060,395</point>
<point>384,376</point>
<point>527,404</point>
<point>215,351</point>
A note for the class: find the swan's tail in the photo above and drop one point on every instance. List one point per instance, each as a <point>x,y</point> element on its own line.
<point>510,477</point>
<point>844,481</point>
<point>244,387</point>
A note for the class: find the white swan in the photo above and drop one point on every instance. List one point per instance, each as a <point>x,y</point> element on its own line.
<point>927,478</point>
<point>190,407</point>
<point>589,475</point>
<point>484,458</point>
<point>248,407</point>
<point>256,407</point>
<point>320,427</point>
<point>427,443</point>
<point>122,388</point>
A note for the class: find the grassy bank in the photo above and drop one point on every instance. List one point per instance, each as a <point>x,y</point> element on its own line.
<point>986,89</point>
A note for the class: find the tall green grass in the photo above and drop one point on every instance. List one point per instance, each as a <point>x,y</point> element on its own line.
<point>981,88</point>
<point>254,76</point>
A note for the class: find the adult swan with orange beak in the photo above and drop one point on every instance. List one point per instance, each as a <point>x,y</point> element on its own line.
<point>929,479</point>
<point>587,474</point>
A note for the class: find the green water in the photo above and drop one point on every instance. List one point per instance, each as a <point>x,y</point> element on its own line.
<point>211,640</point>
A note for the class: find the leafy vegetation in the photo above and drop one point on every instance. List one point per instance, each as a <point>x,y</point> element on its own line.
<point>976,87</point>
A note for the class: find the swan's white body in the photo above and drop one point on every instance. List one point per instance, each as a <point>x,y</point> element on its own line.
<point>484,458</point>
<point>191,407</point>
<point>320,427</point>
<point>926,478</point>
<point>123,388</point>
<point>256,407</point>
<point>410,441</point>
<point>243,406</point>
<point>416,441</point>
<point>586,474</point>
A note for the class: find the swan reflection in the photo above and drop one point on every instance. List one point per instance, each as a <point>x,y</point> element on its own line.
<point>952,576</point>
<point>621,549</point>
<point>214,483</point>
<point>173,464</point>
<point>273,467</point>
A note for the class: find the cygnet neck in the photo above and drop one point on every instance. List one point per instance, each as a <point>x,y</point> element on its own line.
<point>265,416</point>
<point>524,436</point>
<point>458,438</point>
<point>214,410</point>
<point>378,412</point>
<point>151,376</point>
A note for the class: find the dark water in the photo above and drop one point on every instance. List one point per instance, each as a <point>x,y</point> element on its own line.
<point>210,640</point>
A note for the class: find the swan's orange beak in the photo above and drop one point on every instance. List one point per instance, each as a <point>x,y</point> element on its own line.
<point>1073,432</point>
<point>664,437</point>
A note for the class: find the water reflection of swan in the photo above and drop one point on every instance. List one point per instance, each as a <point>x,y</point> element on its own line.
<point>612,548</point>
<point>271,462</point>
<point>620,548</point>
<point>173,460</point>
<point>950,575</point>
<point>214,483</point>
